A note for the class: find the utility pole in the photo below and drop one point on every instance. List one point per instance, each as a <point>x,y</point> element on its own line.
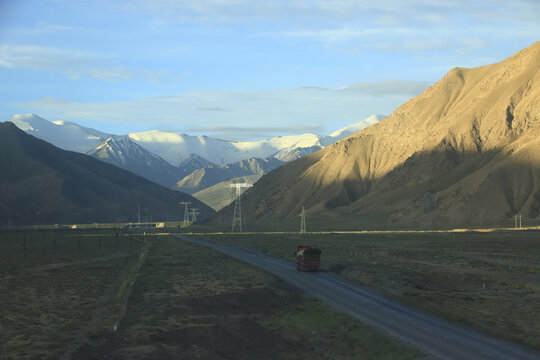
<point>139,211</point>
<point>237,216</point>
<point>303,221</point>
<point>186,212</point>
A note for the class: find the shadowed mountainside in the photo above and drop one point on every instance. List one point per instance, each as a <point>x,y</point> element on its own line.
<point>43,184</point>
<point>466,148</point>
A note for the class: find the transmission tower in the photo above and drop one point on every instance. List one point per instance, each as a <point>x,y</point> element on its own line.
<point>194,213</point>
<point>517,220</point>
<point>186,212</point>
<point>237,216</point>
<point>303,221</point>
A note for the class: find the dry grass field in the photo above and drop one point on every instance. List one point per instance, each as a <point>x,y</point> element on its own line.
<point>57,292</point>
<point>488,281</point>
<point>170,300</point>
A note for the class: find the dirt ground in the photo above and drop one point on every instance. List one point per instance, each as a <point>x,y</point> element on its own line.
<point>488,281</point>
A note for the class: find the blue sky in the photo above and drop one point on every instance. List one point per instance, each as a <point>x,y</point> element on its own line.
<point>242,69</point>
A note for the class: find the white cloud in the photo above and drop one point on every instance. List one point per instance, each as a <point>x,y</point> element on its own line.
<point>72,62</point>
<point>327,35</point>
<point>43,57</point>
<point>338,11</point>
<point>45,28</point>
<point>415,26</point>
<point>261,113</point>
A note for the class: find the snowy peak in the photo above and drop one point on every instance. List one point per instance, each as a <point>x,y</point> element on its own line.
<point>64,134</point>
<point>268,147</point>
<point>175,148</point>
<point>127,154</point>
<point>293,153</point>
<point>29,122</point>
<point>120,150</point>
<point>167,157</point>
<point>351,129</point>
<point>180,149</point>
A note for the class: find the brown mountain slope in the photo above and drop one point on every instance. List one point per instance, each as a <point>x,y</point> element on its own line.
<point>467,148</point>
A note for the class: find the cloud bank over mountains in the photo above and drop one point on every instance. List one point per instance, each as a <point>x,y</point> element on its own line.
<point>240,114</point>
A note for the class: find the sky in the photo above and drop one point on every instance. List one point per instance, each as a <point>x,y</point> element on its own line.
<point>242,69</point>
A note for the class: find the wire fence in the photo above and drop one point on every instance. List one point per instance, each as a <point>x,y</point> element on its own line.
<point>20,248</point>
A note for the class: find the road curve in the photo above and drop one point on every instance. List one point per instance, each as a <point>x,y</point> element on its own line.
<point>429,333</point>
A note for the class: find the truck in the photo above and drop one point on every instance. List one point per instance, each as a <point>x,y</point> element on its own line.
<point>308,258</point>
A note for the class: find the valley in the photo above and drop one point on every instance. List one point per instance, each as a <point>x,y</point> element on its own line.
<point>121,244</point>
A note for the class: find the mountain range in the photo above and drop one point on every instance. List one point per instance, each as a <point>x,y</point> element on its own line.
<point>42,184</point>
<point>176,160</point>
<point>465,151</point>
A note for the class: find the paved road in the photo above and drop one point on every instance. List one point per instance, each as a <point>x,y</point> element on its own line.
<point>431,334</point>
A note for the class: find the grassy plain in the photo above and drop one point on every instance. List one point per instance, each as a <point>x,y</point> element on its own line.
<point>489,281</point>
<point>55,287</point>
<point>193,302</point>
<point>170,300</point>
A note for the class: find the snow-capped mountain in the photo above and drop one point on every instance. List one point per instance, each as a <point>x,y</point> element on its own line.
<point>293,153</point>
<point>63,134</point>
<point>167,157</point>
<point>125,153</point>
<point>351,129</point>
<point>282,147</point>
<point>175,148</point>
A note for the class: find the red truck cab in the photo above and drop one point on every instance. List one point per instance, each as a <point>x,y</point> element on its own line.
<point>308,258</point>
